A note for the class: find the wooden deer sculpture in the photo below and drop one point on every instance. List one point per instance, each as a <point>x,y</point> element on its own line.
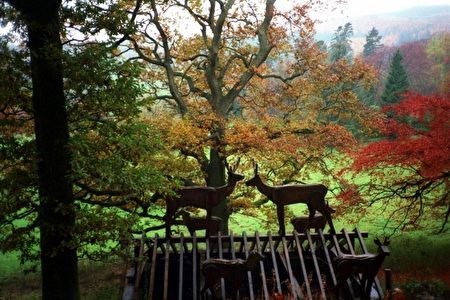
<point>204,197</point>
<point>233,271</point>
<point>367,265</point>
<point>302,223</point>
<point>196,223</point>
<point>312,195</point>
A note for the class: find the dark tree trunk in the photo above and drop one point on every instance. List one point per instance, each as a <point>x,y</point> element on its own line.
<point>57,215</point>
<point>216,177</point>
<point>57,212</point>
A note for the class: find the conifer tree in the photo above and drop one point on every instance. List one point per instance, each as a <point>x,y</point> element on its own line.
<point>372,42</point>
<point>396,82</point>
<point>340,46</point>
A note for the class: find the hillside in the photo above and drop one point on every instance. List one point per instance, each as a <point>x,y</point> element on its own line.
<point>397,28</point>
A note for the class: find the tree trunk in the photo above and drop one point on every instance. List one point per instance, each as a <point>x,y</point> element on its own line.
<point>216,177</point>
<point>57,212</point>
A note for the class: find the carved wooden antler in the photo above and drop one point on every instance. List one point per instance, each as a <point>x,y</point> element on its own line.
<point>232,169</point>
<point>368,265</point>
<point>204,197</point>
<point>196,223</point>
<point>233,271</point>
<point>312,195</point>
<point>233,178</point>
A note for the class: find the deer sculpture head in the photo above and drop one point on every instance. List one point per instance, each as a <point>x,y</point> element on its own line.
<point>255,180</point>
<point>233,177</point>
<point>204,197</point>
<point>383,246</point>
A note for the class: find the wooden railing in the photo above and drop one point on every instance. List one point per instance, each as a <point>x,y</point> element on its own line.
<point>297,264</point>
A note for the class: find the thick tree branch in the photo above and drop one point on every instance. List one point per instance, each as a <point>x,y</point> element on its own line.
<point>167,63</point>
<point>286,80</point>
<point>212,64</point>
<point>192,86</point>
<point>264,49</point>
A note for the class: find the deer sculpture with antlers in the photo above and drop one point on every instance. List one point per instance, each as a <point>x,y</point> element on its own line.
<point>367,265</point>
<point>313,195</point>
<point>204,197</point>
<point>233,271</point>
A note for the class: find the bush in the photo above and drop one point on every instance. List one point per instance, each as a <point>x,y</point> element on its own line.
<point>425,289</point>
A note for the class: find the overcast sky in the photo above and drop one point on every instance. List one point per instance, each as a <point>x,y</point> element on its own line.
<point>357,8</point>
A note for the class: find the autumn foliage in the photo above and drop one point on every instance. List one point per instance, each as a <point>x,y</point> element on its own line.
<point>409,168</point>
<point>423,142</point>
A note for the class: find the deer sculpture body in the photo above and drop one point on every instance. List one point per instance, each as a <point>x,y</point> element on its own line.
<point>233,271</point>
<point>367,265</point>
<point>313,195</point>
<point>196,223</point>
<point>302,223</point>
<point>204,197</point>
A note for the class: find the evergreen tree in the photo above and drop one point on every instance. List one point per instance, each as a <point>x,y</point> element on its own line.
<point>372,42</point>
<point>340,45</point>
<point>322,45</point>
<point>396,82</point>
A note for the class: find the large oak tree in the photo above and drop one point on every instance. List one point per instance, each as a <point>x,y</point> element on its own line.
<point>245,80</point>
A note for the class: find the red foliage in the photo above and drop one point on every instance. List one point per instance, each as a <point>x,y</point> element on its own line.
<point>422,140</point>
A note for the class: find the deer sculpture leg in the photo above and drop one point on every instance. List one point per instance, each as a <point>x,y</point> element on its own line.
<point>280,215</point>
<point>208,221</point>
<point>208,285</point>
<point>234,291</point>
<point>330,223</point>
<point>312,213</point>
<point>368,282</point>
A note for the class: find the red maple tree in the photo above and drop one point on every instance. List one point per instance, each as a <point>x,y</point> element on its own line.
<point>411,165</point>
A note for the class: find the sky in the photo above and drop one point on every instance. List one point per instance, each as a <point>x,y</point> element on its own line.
<point>358,8</point>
